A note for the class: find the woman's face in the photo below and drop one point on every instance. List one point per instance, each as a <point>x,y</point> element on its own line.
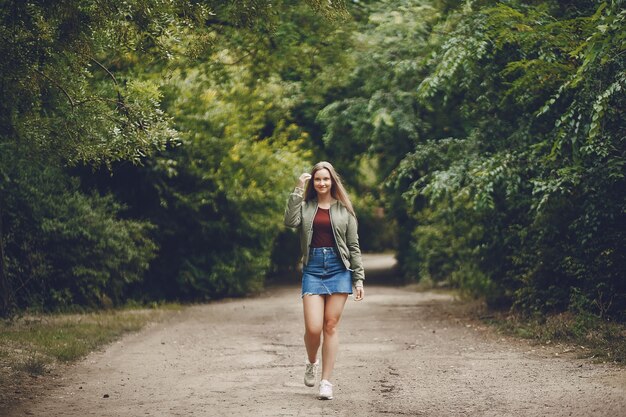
<point>322,181</point>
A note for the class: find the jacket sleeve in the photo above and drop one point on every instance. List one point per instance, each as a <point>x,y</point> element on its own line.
<point>293,211</point>
<point>352,240</point>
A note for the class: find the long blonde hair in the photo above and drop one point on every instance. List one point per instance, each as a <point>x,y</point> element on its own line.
<point>337,191</point>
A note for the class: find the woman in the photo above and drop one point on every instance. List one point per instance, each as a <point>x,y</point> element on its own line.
<point>331,260</point>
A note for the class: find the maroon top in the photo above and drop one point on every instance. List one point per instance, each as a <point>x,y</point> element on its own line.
<point>322,230</point>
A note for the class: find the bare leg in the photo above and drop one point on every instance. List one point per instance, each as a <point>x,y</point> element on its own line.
<point>313,324</point>
<point>332,314</point>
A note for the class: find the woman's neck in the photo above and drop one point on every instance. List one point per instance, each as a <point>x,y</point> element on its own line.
<point>324,201</point>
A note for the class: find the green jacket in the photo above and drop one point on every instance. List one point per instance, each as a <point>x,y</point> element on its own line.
<point>300,214</point>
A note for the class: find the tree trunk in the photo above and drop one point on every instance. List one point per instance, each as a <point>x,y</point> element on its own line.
<point>5,288</point>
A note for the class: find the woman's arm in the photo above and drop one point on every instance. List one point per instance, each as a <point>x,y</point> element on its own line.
<point>356,263</point>
<point>293,215</point>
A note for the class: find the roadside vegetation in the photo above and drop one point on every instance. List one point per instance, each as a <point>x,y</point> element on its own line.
<point>588,336</point>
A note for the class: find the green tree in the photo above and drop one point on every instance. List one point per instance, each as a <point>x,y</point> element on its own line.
<point>82,86</point>
<point>217,197</point>
<point>509,113</point>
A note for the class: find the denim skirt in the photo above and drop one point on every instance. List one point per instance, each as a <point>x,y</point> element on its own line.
<point>325,273</point>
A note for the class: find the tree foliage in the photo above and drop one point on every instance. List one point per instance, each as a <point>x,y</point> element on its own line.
<point>499,128</point>
<point>146,147</point>
<point>178,110</point>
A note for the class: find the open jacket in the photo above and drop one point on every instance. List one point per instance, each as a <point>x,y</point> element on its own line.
<point>300,214</point>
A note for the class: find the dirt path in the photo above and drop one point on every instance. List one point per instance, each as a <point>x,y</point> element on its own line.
<point>402,353</point>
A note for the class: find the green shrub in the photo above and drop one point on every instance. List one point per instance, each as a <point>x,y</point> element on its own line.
<point>65,248</point>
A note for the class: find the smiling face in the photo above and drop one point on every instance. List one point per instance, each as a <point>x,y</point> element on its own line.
<point>322,182</point>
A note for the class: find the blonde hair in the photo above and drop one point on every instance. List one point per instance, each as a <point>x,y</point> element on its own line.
<point>337,191</point>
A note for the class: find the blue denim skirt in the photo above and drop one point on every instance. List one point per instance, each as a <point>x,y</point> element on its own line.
<point>325,273</point>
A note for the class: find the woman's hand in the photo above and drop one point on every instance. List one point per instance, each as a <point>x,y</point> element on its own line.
<point>303,179</point>
<point>360,293</point>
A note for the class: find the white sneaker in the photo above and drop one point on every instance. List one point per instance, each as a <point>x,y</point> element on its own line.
<point>310,373</point>
<point>326,390</point>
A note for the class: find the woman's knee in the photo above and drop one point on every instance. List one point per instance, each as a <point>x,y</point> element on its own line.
<point>330,325</point>
<point>313,331</point>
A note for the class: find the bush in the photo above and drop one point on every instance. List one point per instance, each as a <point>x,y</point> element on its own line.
<point>66,248</point>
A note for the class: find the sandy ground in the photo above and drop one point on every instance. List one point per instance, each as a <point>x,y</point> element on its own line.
<point>402,353</point>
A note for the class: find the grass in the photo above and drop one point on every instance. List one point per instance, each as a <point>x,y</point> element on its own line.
<point>32,343</point>
<point>592,337</point>
<point>585,334</point>
<point>33,365</point>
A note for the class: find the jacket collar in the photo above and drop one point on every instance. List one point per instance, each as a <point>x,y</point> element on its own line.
<point>333,202</point>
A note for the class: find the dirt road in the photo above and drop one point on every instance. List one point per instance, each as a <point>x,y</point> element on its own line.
<point>402,353</point>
